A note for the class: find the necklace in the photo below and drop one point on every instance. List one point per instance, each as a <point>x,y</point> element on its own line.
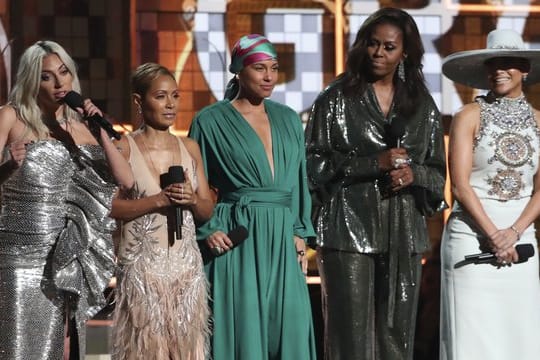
<point>148,156</point>
<point>509,113</point>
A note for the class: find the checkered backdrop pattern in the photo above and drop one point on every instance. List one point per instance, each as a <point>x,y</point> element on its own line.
<point>301,38</point>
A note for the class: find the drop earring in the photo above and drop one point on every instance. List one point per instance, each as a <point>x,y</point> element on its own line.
<point>401,71</point>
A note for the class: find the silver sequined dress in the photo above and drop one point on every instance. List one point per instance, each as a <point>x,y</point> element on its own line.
<point>161,307</point>
<point>56,253</point>
<point>489,311</point>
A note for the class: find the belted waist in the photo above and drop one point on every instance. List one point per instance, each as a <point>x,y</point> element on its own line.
<point>259,197</point>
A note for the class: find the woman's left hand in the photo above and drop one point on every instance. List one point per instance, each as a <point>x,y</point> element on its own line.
<point>89,109</point>
<point>503,242</point>
<point>301,253</point>
<point>181,193</point>
<point>401,177</point>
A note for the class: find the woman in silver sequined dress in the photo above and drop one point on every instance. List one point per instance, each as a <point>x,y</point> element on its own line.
<point>162,299</point>
<point>57,184</point>
<point>491,309</point>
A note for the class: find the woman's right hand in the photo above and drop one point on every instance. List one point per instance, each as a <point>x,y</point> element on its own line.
<point>502,243</point>
<point>219,242</point>
<point>17,152</point>
<point>389,159</point>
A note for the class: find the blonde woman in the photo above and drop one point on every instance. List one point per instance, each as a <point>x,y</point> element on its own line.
<point>58,179</point>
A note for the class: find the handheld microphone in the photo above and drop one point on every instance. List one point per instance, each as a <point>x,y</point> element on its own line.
<point>75,100</point>
<point>237,236</point>
<point>524,251</point>
<point>173,176</point>
<point>394,132</point>
<point>392,136</point>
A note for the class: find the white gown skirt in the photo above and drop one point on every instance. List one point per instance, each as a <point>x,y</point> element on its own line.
<point>488,311</point>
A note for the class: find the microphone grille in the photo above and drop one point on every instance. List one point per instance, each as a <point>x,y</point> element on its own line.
<point>524,251</point>
<point>176,173</point>
<point>237,235</point>
<point>73,100</point>
<point>397,128</point>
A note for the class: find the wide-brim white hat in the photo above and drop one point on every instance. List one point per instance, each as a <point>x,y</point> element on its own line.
<point>467,67</point>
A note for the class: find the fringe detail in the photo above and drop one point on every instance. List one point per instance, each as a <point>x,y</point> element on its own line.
<point>162,307</point>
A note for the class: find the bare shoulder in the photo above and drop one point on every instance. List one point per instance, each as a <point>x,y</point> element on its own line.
<point>468,111</point>
<point>11,127</point>
<point>468,116</point>
<point>8,115</point>
<point>191,145</point>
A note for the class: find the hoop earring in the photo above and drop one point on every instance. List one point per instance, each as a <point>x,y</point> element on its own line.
<point>401,71</point>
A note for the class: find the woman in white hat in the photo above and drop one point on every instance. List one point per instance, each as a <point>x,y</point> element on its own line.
<point>490,304</point>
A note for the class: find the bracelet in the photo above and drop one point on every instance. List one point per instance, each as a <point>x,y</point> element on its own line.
<point>514,229</point>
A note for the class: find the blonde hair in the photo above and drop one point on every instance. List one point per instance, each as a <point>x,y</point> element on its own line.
<point>142,77</point>
<point>25,91</point>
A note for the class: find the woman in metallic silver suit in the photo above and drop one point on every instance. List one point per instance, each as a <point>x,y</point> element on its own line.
<point>58,179</point>
<point>376,166</point>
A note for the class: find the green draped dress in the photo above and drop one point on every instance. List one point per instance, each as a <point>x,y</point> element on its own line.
<point>260,303</point>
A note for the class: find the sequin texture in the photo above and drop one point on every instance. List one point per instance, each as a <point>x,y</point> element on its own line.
<point>56,248</point>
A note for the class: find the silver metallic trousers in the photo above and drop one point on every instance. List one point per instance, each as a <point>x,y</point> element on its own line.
<point>355,296</point>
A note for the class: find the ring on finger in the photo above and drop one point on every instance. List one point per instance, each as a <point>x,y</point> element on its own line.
<point>301,252</point>
<point>400,181</point>
<point>217,250</point>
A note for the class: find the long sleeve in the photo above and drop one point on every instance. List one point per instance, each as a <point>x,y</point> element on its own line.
<point>202,138</point>
<point>344,138</point>
<point>331,166</point>
<point>301,196</point>
<point>430,175</point>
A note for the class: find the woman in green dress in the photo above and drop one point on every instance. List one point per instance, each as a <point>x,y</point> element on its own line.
<point>253,151</point>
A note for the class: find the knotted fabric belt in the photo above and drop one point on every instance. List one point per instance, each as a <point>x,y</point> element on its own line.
<point>259,197</point>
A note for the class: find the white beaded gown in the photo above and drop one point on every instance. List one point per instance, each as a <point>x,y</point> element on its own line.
<point>490,311</point>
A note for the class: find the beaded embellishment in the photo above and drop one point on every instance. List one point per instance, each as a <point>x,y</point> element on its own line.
<point>506,184</point>
<point>512,149</point>
<point>511,142</point>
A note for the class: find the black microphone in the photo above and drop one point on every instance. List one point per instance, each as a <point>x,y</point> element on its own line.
<point>173,176</point>
<point>394,132</point>
<point>524,251</point>
<point>75,100</point>
<point>237,236</point>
